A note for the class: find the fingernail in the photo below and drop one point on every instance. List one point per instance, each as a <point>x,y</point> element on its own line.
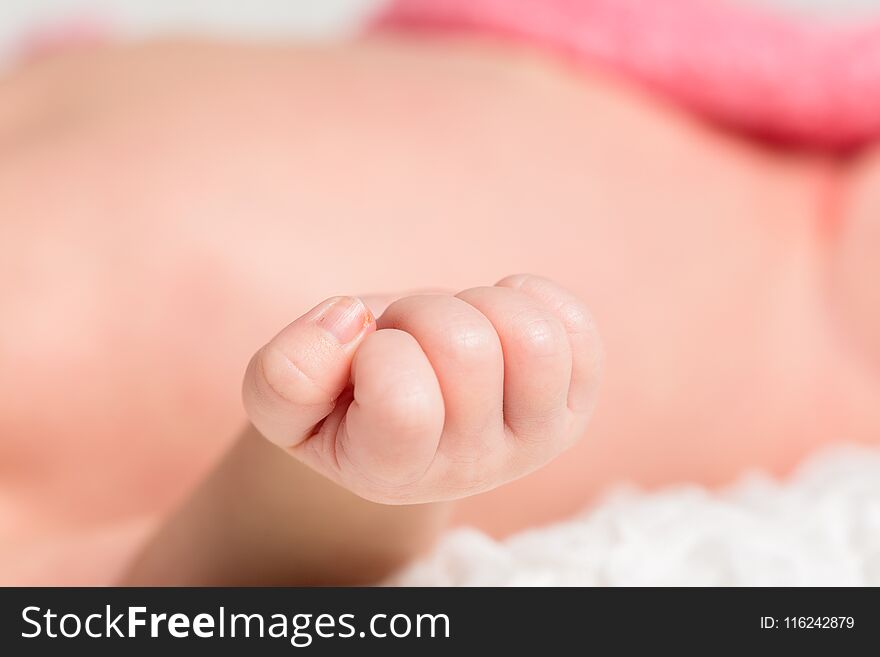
<point>345,318</point>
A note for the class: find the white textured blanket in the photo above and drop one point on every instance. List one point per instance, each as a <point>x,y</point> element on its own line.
<point>820,527</point>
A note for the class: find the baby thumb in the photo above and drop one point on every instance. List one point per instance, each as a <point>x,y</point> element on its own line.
<point>292,383</point>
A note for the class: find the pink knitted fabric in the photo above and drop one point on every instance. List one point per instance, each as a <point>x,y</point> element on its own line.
<point>787,79</point>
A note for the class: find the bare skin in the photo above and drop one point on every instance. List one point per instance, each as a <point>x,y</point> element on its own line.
<point>168,207</point>
<point>440,398</point>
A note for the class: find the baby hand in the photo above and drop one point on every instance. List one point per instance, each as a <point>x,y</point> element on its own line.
<point>440,398</point>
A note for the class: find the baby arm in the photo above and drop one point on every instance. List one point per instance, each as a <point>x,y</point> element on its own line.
<point>387,422</point>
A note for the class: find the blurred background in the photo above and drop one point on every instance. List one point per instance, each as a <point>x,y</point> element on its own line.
<point>300,18</point>
<point>304,19</point>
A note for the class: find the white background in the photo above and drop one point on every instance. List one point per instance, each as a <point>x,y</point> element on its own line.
<point>299,18</point>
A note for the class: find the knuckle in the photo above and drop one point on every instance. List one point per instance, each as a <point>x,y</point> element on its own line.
<point>516,281</point>
<point>398,306</point>
<point>467,342</point>
<point>571,312</point>
<point>289,382</point>
<point>537,335</point>
<point>576,318</point>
